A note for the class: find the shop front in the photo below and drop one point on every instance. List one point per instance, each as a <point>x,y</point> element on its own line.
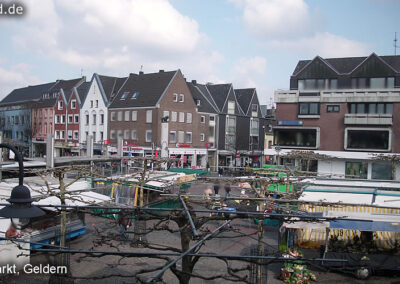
<point>193,158</point>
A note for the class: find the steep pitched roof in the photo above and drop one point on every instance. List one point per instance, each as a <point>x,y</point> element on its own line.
<point>219,93</point>
<point>346,65</point>
<point>82,91</point>
<point>150,88</point>
<point>206,93</point>
<point>67,86</point>
<point>244,97</point>
<point>27,93</point>
<point>205,104</point>
<point>111,85</point>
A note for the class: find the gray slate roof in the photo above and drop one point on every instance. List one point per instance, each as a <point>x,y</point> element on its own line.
<point>205,104</point>
<point>244,97</point>
<point>219,93</point>
<point>150,87</point>
<point>346,65</point>
<point>83,90</point>
<point>27,93</point>
<point>67,86</point>
<point>111,85</point>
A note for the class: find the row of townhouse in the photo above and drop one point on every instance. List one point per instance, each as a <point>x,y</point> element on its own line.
<point>347,109</point>
<point>202,124</point>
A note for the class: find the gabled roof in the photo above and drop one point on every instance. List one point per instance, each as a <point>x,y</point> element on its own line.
<point>206,93</point>
<point>67,86</point>
<point>219,93</point>
<point>27,93</point>
<point>150,88</point>
<point>205,104</point>
<point>111,85</point>
<point>244,98</point>
<point>82,91</point>
<point>346,65</point>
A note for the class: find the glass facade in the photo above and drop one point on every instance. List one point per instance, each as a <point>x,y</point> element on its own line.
<point>358,170</point>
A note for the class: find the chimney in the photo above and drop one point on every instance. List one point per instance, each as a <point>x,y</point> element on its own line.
<point>141,72</point>
<point>194,82</point>
<point>161,71</point>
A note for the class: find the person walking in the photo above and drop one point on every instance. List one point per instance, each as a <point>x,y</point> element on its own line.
<point>216,188</point>
<point>227,190</point>
<point>220,171</point>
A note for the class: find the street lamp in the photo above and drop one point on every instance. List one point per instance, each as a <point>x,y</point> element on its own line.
<point>20,210</point>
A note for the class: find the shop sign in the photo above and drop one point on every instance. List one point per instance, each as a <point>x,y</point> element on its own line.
<point>187,178</point>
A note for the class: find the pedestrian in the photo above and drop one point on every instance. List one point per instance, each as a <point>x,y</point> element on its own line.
<point>216,188</point>
<point>227,190</point>
<point>124,222</point>
<point>220,171</point>
<point>207,193</point>
<point>247,169</point>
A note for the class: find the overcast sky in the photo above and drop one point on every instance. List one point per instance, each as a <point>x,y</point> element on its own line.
<point>251,43</point>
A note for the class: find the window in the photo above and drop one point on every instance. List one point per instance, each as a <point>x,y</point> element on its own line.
<point>87,119</point>
<point>181,98</point>
<point>76,118</point>
<point>124,95</point>
<point>113,116</point>
<point>202,137</point>
<point>371,108</point>
<point>230,125</point>
<point>101,118</point>
<point>333,108</point>
<point>101,136</point>
<point>372,83</point>
<point>149,136</point>
<point>134,115</point>
<point>254,110</point>
<point>62,134</point>
<point>365,139</point>
<point>198,102</point>
<point>296,137</point>
<point>97,103</point>
<point>112,134</point>
<point>173,116</point>
<point>188,117</point>
<point>317,84</point>
<point>69,134</point>
<point>94,119</point>
<point>231,107</point>
<point>377,83</point>
<point>135,95</point>
<point>73,104</point>
<point>254,127</point>
<point>87,135</point>
<point>382,170</point>
<point>60,105</point>
<point>149,116</point>
<point>126,134</point>
<point>63,118</point>
<point>358,170</point>
<point>188,137</point>
<point>308,108</point>
<point>203,119</point>
<point>172,136</point>
<point>57,119</point>
<point>91,104</point>
<point>119,133</point>
<point>94,135</point>
<point>181,137</point>
<point>76,135</point>
<point>70,119</point>
<point>175,97</point>
<point>134,135</point>
<point>127,115</point>
<point>212,118</point>
<point>120,116</point>
<point>57,134</point>
<point>181,117</point>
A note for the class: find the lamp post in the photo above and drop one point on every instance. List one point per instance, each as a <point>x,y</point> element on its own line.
<point>20,210</point>
<point>278,150</point>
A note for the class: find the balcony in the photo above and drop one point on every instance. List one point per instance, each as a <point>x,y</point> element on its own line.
<point>368,119</point>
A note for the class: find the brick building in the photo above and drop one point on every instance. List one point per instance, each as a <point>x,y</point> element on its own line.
<point>348,108</point>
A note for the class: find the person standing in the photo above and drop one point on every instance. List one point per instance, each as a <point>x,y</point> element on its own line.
<point>220,171</point>
<point>216,188</point>
<point>227,190</point>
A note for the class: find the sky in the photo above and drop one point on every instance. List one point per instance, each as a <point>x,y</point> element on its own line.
<point>250,43</point>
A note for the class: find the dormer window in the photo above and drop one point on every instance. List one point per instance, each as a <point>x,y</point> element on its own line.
<point>73,104</point>
<point>60,105</point>
<point>124,95</point>
<point>181,98</point>
<point>198,102</point>
<point>135,95</point>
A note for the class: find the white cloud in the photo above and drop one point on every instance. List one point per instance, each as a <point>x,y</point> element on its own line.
<point>15,77</point>
<point>289,24</point>
<point>245,70</point>
<point>116,37</point>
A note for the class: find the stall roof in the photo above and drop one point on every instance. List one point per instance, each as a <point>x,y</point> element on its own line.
<point>365,225</point>
<point>335,197</point>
